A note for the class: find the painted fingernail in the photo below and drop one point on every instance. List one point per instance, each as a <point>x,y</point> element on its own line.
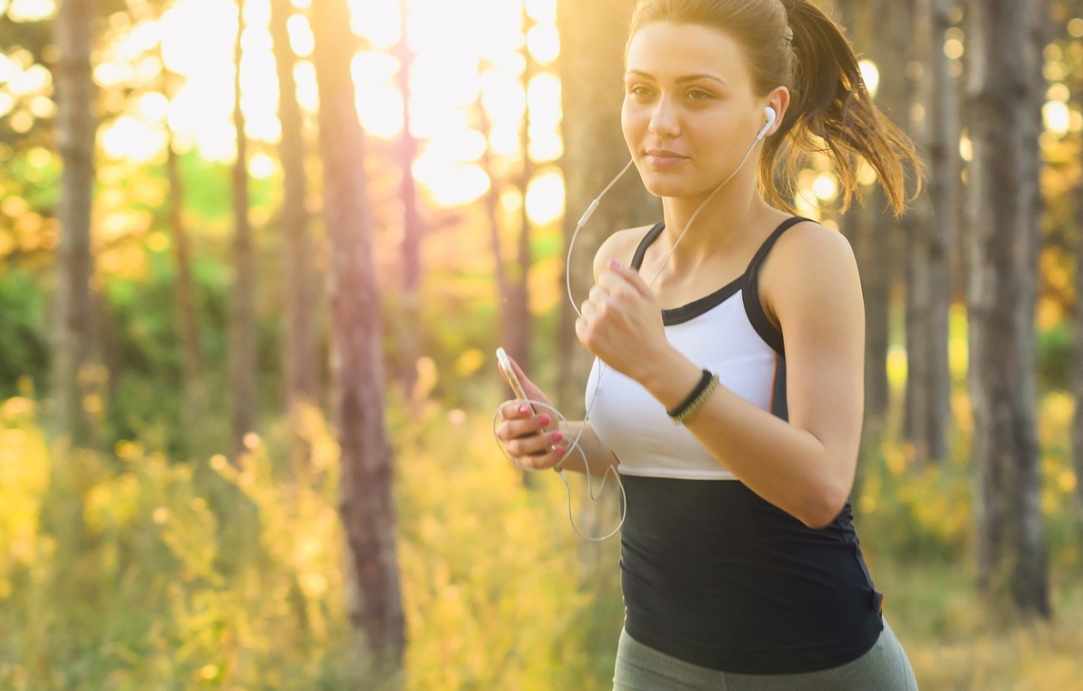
<point>557,436</point>
<point>560,451</point>
<point>544,420</point>
<point>524,409</point>
<point>614,264</point>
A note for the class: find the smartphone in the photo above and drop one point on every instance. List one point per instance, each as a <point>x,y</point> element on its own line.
<point>504,364</point>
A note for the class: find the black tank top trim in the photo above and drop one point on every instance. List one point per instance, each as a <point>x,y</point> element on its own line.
<point>747,281</point>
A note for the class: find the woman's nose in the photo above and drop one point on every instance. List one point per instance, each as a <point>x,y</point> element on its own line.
<point>664,121</point>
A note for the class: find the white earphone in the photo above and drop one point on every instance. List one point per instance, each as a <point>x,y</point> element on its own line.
<point>771,117</point>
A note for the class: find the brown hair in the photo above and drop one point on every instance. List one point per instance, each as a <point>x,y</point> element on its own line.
<point>792,43</point>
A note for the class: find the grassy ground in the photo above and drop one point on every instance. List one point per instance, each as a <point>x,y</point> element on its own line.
<point>954,644</point>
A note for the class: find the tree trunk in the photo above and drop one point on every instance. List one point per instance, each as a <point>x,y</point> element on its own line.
<point>413,228</point>
<point>1002,255</point>
<point>299,278</point>
<point>929,287</point>
<point>518,322</point>
<point>871,231</point>
<point>366,503</point>
<point>591,71</point>
<point>76,128</point>
<point>187,312</point>
<point>592,38</point>
<point>242,356</point>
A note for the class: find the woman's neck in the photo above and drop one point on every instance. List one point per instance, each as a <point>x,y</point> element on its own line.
<point>723,224</point>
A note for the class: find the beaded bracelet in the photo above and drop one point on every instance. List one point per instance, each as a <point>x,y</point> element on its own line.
<point>706,386</point>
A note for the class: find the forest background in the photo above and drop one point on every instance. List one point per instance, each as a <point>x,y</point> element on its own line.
<point>255,257</point>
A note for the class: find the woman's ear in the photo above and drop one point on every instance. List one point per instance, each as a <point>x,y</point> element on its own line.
<point>778,101</point>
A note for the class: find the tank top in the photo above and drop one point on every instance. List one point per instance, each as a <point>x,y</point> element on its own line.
<point>711,573</point>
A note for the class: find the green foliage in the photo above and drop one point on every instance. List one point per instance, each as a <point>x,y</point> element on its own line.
<point>22,333</point>
<point>202,575</point>
<point>1055,357</point>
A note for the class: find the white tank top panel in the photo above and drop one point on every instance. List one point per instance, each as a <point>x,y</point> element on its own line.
<point>718,334</point>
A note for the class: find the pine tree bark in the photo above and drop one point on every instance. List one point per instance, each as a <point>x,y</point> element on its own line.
<point>76,127</point>
<point>366,502</point>
<point>929,286</point>
<point>299,278</point>
<point>242,344</point>
<point>1003,232</point>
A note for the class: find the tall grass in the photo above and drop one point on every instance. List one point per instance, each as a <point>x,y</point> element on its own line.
<point>130,570</point>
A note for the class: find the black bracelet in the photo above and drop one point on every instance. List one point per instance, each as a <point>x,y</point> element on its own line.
<point>706,382</point>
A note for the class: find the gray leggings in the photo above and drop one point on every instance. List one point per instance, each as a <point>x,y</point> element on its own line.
<point>885,667</point>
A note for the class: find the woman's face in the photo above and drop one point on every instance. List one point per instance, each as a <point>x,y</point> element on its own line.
<point>690,110</point>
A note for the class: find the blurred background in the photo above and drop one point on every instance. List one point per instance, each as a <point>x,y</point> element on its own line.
<point>255,258</point>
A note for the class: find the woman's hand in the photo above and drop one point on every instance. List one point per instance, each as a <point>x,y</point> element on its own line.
<point>532,439</point>
<point>621,323</point>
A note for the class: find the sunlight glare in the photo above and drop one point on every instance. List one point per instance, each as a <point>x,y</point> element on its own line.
<point>308,96</point>
<point>301,39</point>
<point>131,138</point>
<point>261,166</point>
<point>380,111</point>
<point>826,187</point>
<point>464,147</point>
<point>8,69</point>
<point>502,96</point>
<point>448,183</point>
<point>542,11</point>
<point>31,10</point>
<point>543,41</point>
<point>378,20</point>
<point>146,36</point>
<point>1057,117</point>
<point>153,107</point>
<point>545,198</point>
<point>505,140</point>
<point>379,103</point>
<point>34,79</point>
<point>871,74</point>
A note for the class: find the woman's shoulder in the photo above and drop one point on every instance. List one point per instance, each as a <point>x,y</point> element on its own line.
<point>806,257</point>
<point>810,242</point>
<point>620,246</point>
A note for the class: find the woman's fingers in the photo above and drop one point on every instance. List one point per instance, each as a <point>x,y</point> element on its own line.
<point>532,440</point>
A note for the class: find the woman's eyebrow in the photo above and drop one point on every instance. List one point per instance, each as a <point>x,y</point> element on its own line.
<point>679,80</point>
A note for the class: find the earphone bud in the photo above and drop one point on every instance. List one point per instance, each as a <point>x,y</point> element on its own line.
<point>771,117</point>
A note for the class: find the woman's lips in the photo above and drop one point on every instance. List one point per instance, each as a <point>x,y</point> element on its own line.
<point>663,158</point>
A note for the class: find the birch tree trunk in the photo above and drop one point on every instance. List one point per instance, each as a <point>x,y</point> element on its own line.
<point>299,278</point>
<point>929,286</point>
<point>76,128</point>
<point>1002,258</point>
<point>242,343</point>
<point>366,502</point>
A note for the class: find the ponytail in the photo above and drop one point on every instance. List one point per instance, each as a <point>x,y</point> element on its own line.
<point>792,43</point>
<point>831,112</point>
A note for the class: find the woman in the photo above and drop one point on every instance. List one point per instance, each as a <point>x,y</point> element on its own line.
<point>740,565</point>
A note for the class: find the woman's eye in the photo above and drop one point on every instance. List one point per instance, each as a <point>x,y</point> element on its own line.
<point>698,94</point>
<point>638,90</point>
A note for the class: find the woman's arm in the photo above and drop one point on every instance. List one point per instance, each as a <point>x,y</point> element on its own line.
<point>809,283</point>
